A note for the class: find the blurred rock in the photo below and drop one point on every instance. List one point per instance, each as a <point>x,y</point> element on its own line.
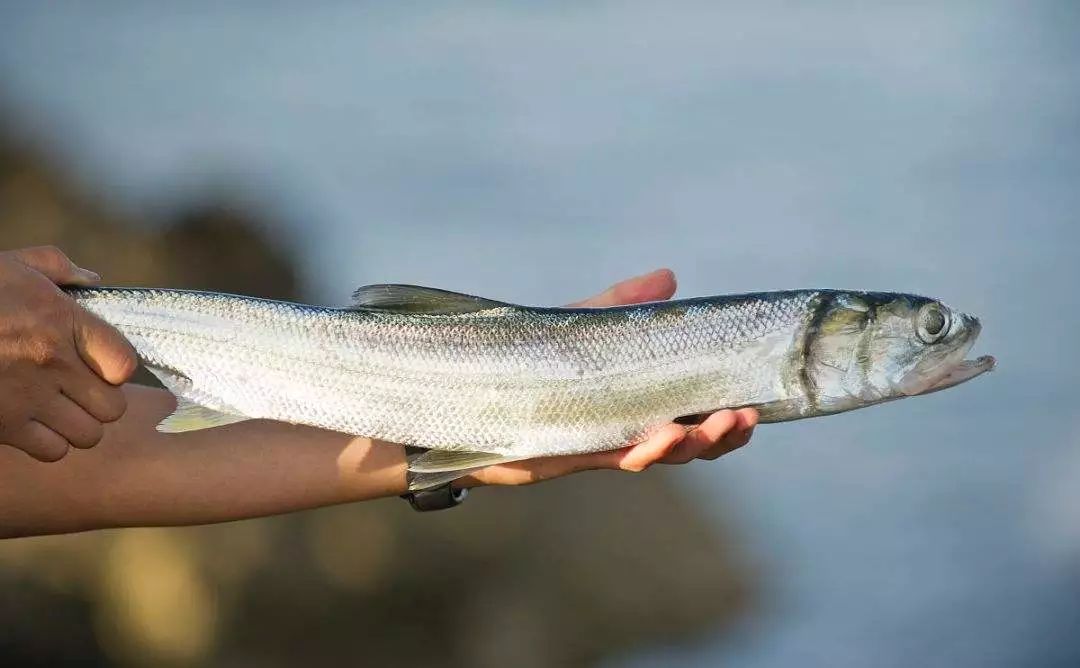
<point>564,573</point>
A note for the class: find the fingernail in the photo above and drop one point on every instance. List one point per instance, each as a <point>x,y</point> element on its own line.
<point>88,275</point>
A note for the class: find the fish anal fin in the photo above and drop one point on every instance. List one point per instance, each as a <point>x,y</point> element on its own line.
<point>190,416</point>
<point>417,299</point>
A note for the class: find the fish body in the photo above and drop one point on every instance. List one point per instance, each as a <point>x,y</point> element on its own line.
<point>485,381</point>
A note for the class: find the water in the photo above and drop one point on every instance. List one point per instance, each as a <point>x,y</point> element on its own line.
<point>536,153</point>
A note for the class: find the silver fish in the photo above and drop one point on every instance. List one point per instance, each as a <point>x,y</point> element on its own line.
<point>477,382</point>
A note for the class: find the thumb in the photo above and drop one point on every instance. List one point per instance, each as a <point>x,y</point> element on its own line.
<point>51,261</point>
<point>654,286</point>
<point>103,348</point>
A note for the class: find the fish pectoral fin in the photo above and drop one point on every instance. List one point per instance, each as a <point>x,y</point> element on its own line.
<point>174,381</point>
<point>432,468</point>
<point>417,299</point>
<point>190,416</point>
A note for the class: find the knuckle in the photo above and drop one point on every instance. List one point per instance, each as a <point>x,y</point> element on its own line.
<point>52,256</point>
<point>44,351</point>
<point>114,406</point>
<point>91,436</point>
<point>109,351</point>
<point>49,453</point>
<point>13,421</point>
<point>48,307</point>
<point>124,365</point>
<point>44,259</point>
<point>38,293</point>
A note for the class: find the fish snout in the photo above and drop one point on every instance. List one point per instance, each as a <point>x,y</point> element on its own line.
<point>971,325</point>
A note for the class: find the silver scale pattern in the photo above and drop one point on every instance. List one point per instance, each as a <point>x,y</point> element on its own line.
<point>518,380</point>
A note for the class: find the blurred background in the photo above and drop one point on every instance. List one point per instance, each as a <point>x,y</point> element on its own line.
<point>535,153</point>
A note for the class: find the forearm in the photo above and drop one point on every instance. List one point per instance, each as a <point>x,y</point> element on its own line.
<point>137,476</point>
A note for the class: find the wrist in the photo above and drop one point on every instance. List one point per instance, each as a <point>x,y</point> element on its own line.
<point>372,469</point>
<point>439,497</point>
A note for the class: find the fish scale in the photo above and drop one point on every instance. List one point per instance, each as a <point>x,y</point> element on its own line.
<point>453,372</point>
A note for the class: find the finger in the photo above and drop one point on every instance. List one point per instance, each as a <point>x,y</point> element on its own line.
<point>739,436</point>
<point>40,442</point>
<point>745,438</point>
<point>103,348</point>
<point>105,402</point>
<point>748,419</point>
<point>530,471</point>
<point>525,472</point>
<point>517,473</point>
<point>703,437</point>
<point>654,286</point>
<point>716,432</point>
<point>730,444</point>
<point>652,450</point>
<point>68,419</point>
<point>52,262</point>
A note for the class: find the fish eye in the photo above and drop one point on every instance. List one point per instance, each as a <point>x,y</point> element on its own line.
<point>932,323</point>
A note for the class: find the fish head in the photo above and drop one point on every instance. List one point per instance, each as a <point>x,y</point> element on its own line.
<point>866,348</point>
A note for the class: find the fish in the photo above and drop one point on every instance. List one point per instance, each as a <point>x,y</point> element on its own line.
<point>468,382</point>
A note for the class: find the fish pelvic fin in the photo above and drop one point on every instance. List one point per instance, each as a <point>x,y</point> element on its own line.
<point>190,416</point>
<point>432,468</point>
<point>436,461</point>
<point>421,481</point>
<point>417,299</point>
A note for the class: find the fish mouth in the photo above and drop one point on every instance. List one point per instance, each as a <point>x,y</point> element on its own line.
<point>955,369</point>
<point>962,373</point>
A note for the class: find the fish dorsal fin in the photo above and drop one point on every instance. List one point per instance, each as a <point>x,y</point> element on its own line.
<point>417,299</point>
<point>190,416</point>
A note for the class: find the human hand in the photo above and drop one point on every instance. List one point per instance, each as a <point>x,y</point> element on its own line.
<point>718,434</point>
<point>59,365</point>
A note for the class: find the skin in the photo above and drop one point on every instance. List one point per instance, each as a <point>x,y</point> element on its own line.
<point>139,477</point>
<point>59,365</point>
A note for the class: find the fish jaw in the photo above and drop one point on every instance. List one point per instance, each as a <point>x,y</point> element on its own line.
<point>954,369</point>
<point>962,373</point>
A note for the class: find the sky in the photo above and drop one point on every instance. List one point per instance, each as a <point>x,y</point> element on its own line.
<point>536,152</point>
